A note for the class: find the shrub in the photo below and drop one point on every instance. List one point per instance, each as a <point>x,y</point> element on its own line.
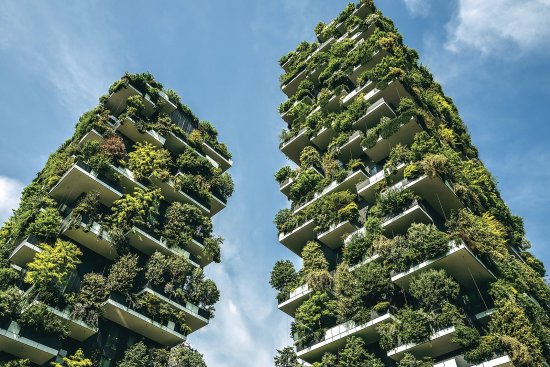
<point>88,302</point>
<point>47,224</point>
<point>147,160</point>
<point>410,361</point>
<point>283,276</point>
<point>139,209</point>
<point>354,354</point>
<point>192,163</point>
<point>283,174</point>
<point>286,357</point>
<point>122,274</point>
<point>310,157</point>
<point>38,317</point>
<point>183,222</point>
<point>78,359</point>
<point>222,186</point>
<point>305,185</point>
<point>212,248</point>
<point>433,287</point>
<point>315,270</point>
<point>51,267</point>
<point>392,201</point>
<point>114,148</point>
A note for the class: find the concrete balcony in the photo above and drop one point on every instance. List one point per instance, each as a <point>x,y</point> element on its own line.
<point>285,186</point>
<point>403,136</point>
<point>118,312</point>
<point>361,12</point>
<point>365,89</point>
<point>22,347</point>
<point>148,244</point>
<point>92,236</point>
<point>439,343</point>
<point>399,223</point>
<point>368,188</point>
<point>25,251</point>
<point>377,56</point>
<point>503,361</point>
<point>224,163</point>
<point>177,145</point>
<point>165,105</point>
<point>128,128</point>
<point>78,329</point>
<point>295,299</point>
<point>323,137</point>
<point>459,262</point>
<point>296,239</point>
<point>171,195</point>
<point>81,178</point>
<point>434,191</point>
<point>127,179</point>
<point>91,135</point>
<point>195,317</point>
<point>374,113</point>
<point>292,86</point>
<point>293,147</point>
<point>116,102</point>
<point>335,235</point>
<point>352,148</point>
<point>349,184</point>
<point>216,204</point>
<point>336,337</point>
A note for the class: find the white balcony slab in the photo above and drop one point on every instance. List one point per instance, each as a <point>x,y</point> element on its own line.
<point>336,337</point>
<point>367,188</point>
<point>374,113</point>
<point>439,343</point>
<point>25,252</point>
<point>296,239</point>
<point>223,162</point>
<point>352,148</point>
<point>323,138</point>
<point>11,342</point>
<point>171,195</point>
<point>403,136</point>
<point>141,324</point>
<point>294,146</point>
<point>128,128</point>
<point>459,262</point>
<point>335,235</point>
<point>94,237</point>
<point>78,329</point>
<point>398,224</point>
<point>79,179</point>
<point>295,300</point>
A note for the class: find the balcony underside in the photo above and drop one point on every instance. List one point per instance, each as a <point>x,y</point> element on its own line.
<point>459,262</point>
<point>297,239</point>
<point>403,136</point>
<point>367,189</point>
<point>352,148</point>
<point>129,129</point>
<point>77,181</point>
<point>336,338</point>
<point>374,113</point>
<point>439,344</point>
<point>223,162</point>
<point>323,138</point>
<point>297,297</point>
<point>293,148</point>
<point>141,324</point>
<point>93,238</point>
<point>192,318</point>
<point>78,329</point>
<point>360,69</point>
<point>437,193</point>
<point>171,195</point>
<point>116,102</point>
<point>401,222</point>
<point>334,237</point>
<point>22,347</point>
<point>91,135</point>
<point>24,252</point>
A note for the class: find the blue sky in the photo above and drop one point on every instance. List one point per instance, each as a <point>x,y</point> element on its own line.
<point>58,57</point>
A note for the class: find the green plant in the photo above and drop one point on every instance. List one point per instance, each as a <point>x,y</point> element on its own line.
<point>182,222</point>
<point>310,157</point>
<point>93,154</point>
<point>315,271</point>
<point>284,174</point>
<point>410,361</point>
<point>432,288</point>
<point>286,357</point>
<point>147,160</point>
<point>47,224</point>
<point>139,209</point>
<point>135,356</point>
<point>122,275</point>
<point>312,318</point>
<point>283,277</point>
<point>39,318</point>
<point>78,359</point>
<point>51,267</point>
<point>354,354</point>
<point>392,201</point>
<point>88,301</point>
<point>305,185</point>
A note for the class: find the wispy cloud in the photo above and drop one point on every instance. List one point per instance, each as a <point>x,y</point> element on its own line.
<point>495,25</point>
<point>418,7</point>
<point>70,49</point>
<point>10,192</point>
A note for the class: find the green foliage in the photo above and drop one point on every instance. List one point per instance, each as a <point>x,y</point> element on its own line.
<point>47,224</point>
<point>283,276</point>
<point>312,318</point>
<point>93,292</point>
<point>284,174</point>
<point>51,267</point>
<point>147,160</point>
<point>393,201</point>
<point>315,271</point>
<point>433,288</point>
<point>78,359</point>
<point>286,357</point>
<point>15,363</point>
<point>305,185</point>
<point>310,157</point>
<point>135,356</point>
<point>185,356</point>
<point>9,302</point>
<point>182,222</point>
<point>93,154</point>
<point>139,209</point>
<point>212,248</point>
<point>39,318</point>
<point>410,361</point>
<point>354,354</point>
<point>123,273</point>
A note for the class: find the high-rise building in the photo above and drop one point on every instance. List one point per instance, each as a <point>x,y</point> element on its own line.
<point>103,260</point>
<point>409,255</point>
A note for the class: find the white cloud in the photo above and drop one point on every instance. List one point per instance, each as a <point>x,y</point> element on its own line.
<point>493,25</point>
<point>10,191</point>
<point>69,49</point>
<point>418,7</point>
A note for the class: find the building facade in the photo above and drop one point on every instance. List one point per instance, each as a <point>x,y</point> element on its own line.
<point>102,263</point>
<point>409,255</point>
